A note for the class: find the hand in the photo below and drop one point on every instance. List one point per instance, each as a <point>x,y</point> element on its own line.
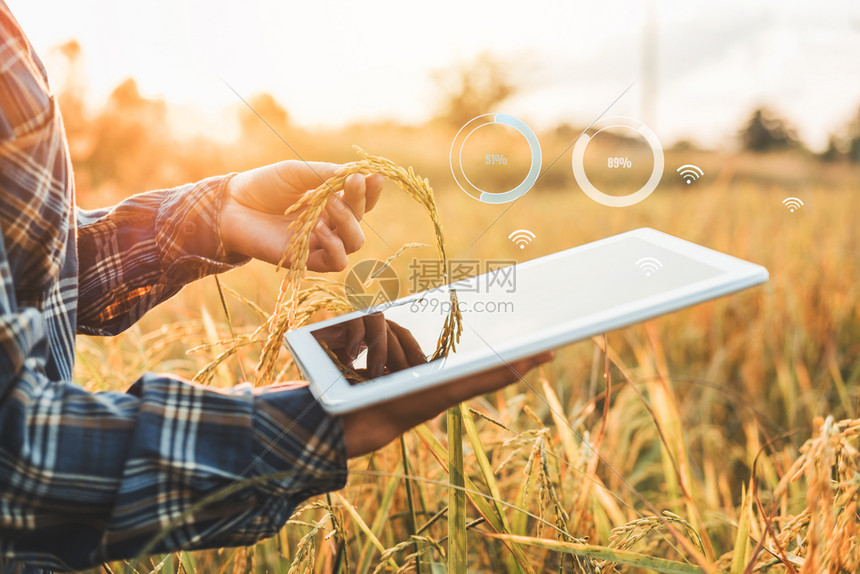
<point>253,223</point>
<point>390,347</point>
<point>371,428</point>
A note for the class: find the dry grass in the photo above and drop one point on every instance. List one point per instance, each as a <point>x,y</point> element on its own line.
<point>756,393</point>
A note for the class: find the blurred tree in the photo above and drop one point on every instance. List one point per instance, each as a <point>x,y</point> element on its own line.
<point>72,90</point>
<point>845,143</point>
<point>71,100</point>
<point>684,145</point>
<point>132,141</point>
<point>853,139</point>
<point>765,131</point>
<point>126,146</point>
<point>834,151</point>
<point>270,110</point>
<point>474,88</point>
<point>259,144</point>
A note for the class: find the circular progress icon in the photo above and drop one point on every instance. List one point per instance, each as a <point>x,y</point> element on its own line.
<point>456,158</point>
<point>617,200</point>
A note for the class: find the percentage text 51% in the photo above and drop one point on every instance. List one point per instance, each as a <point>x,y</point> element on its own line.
<point>495,159</point>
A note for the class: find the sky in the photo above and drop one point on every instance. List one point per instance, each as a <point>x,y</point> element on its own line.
<point>331,62</point>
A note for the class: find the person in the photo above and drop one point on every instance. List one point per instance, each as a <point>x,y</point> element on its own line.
<point>91,477</point>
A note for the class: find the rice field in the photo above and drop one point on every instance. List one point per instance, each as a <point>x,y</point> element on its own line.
<point>721,438</point>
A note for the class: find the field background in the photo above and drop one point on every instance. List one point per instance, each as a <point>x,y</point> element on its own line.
<point>702,404</point>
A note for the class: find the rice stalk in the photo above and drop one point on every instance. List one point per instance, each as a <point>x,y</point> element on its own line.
<point>486,473</point>
<point>425,545</point>
<point>456,495</point>
<point>483,463</point>
<point>479,501</point>
<point>628,535</point>
<point>673,470</point>
<point>307,211</point>
<point>251,304</point>
<point>245,560</point>
<point>156,568</point>
<point>329,301</point>
<point>412,523</point>
<point>382,516</point>
<point>306,549</point>
<point>518,521</point>
<point>640,561</point>
<point>582,503</point>
<point>401,251</point>
<point>339,531</point>
<point>742,548</point>
<point>362,525</point>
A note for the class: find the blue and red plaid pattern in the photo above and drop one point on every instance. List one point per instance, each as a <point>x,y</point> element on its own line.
<point>90,477</point>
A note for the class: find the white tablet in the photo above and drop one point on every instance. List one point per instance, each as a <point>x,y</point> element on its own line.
<point>512,312</point>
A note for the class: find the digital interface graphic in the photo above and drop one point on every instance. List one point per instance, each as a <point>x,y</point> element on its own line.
<point>521,237</point>
<point>634,129</point>
<point>792,203</point>
<point>649,265</point>
<point>495,159</point>
<point>690,173</point>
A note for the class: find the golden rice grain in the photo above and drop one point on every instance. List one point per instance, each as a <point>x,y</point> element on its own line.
<point>295,258</point>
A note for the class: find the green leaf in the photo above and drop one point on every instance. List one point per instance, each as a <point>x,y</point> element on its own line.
<point>742,541</point>
<point>456,495</point>
<point>602,553</point>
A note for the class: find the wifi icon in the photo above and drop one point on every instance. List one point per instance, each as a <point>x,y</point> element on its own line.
<point>690,172</point>
<point>522,237</point>
<point>649,265</point>
<point>792,203</point>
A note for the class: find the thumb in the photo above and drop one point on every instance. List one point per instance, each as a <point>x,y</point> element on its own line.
<point>275,187</point>
<point>305,175</point>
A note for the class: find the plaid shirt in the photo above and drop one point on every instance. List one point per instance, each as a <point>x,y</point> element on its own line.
<point>90,477</point>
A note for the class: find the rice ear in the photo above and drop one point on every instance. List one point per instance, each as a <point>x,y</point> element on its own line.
<point>295,257</point>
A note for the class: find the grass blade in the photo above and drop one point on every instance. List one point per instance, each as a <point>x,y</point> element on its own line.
<point>742,540</point>
<point>456,496</point>
<point>480,503</point>
<point>412,523</point>
<point>486,471</point>
<point>626,557</point>
<point>362,525</point>
<point>379,522</point>
<point>484,463</point>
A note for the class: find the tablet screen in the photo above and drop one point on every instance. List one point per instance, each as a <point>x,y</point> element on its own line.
<point>511,307</point>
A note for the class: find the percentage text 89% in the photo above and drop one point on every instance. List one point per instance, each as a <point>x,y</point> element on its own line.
<point>623,162</point>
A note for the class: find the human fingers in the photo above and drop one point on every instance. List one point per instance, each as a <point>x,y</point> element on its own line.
<point>376,337</point>
<point>275,187</point>
<point>427,404</point>
<point>494,379</point>
<point>396,357</point>
<point>354,190</point>
<point>327,252</point>
<point>302,176</point>
<point>333,335</point>
<point>373,189</point>
<point>411,348</point>
<point>373,427</point>
<point>354,336</point>
<point>344,220</point>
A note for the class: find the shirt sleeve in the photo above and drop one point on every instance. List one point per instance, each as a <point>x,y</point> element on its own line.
<point>92,477</point>
<point>89,477</point>
<point>144,250</point>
